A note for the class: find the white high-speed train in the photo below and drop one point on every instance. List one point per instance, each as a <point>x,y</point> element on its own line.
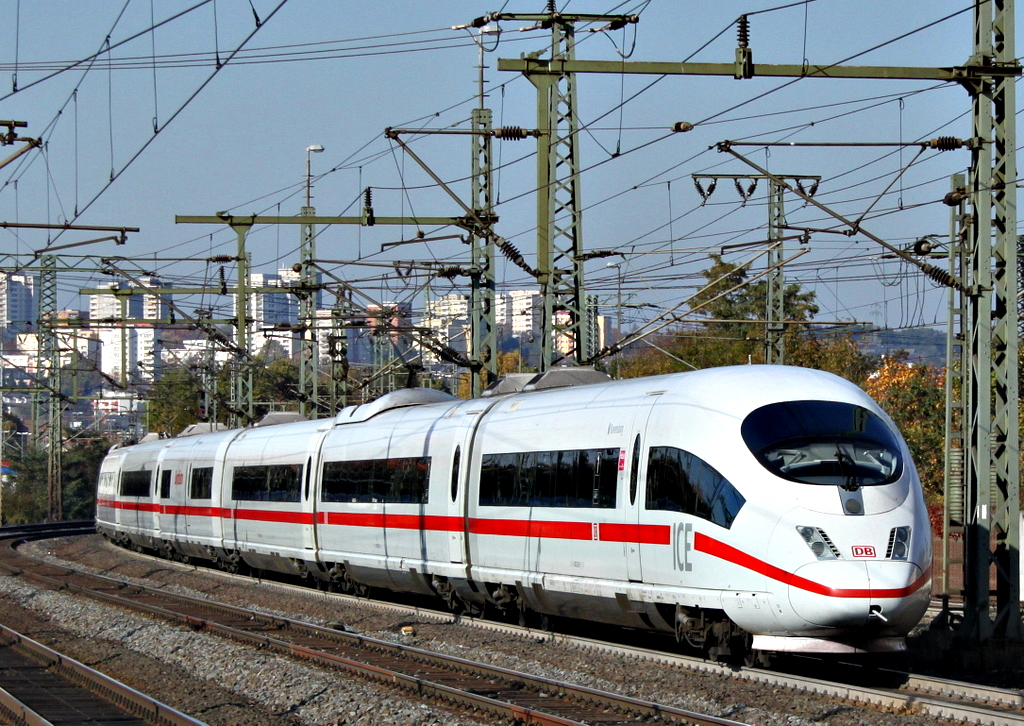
<point>766,501</point>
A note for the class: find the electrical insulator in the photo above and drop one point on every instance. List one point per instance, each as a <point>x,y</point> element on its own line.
<point>368,207</point>
<point>923,246</point>
<point>704,195</point>
<point>809,191</point>
<point>510,133</point>
<point>953,199</point>
<point>940,276</point>
<point>682,127</point>
<point>451,272</point>
<point>511,252</point>
<point>223,281</point>
<point>743,31</point>
<point>945,143</point>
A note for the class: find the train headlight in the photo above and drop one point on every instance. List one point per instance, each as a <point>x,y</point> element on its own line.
<point>819,543</point>
<point>899,543</point>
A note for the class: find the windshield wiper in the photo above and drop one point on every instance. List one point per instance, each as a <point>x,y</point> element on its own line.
<point>850,484</point>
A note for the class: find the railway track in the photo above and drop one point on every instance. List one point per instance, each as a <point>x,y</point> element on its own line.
<point>39,686</point>
<point>931,697</point>
<point>480,688</point>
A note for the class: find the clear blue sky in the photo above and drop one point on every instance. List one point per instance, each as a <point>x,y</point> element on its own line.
<point>337,74</point>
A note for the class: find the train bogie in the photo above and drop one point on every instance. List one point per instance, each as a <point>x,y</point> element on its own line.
<point>771,501</point>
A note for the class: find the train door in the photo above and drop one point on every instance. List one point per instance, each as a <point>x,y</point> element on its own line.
<point>456,517</point>
<point>634,493</point>
<point>311,491</point>
<point>467,422</point>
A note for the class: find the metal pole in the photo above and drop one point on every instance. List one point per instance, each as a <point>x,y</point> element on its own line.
<point>775,309</point>
<point>992,470</point>
<point>953,505</point>
<point>241,390</point>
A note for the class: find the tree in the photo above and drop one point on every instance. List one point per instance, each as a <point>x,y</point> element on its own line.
<point>81,473</point>
<point>840,355</point>
<point>175,401</point>
<point>510,362</point>
<point>728,299</point>
<point>25,496</point>
<point>725,339</point>
<point>914,396</point>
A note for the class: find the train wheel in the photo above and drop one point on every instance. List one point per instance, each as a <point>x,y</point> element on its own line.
<point>758,659</point>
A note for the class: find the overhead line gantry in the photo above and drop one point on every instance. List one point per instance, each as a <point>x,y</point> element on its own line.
<point>992,472</point>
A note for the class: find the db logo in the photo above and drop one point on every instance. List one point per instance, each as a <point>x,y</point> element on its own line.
<point>863,551</point>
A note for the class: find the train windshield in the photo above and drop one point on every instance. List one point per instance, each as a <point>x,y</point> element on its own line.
<point>824,442</point>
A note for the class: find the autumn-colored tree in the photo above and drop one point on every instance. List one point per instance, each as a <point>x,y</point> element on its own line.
<point>914,396</point>
<point>840,355</point>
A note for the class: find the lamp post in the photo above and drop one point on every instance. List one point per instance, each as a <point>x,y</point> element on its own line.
<point>314,149</point>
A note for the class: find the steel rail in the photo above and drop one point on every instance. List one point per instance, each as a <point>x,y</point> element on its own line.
<point>495,690</point>
<point>17,712</point>
<point>125,698</point>
<point>918,694</point>
<point>250,626</point>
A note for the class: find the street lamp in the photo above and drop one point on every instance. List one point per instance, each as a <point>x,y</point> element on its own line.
<point>314,149</point>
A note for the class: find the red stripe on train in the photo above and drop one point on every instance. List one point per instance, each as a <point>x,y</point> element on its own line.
<point>594,531</point>
<point>709,545</point>
<point>433,523</point>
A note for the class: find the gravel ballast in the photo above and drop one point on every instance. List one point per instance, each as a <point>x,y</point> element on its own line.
<point>225,683</point>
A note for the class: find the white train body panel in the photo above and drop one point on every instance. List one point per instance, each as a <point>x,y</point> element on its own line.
<point>781,497</point>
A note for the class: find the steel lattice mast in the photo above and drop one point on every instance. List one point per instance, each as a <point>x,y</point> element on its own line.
<point>992,477</point>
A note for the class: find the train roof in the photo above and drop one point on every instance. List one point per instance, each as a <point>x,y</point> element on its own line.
<point>736,389</point>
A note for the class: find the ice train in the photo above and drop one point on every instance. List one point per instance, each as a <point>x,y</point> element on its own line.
<point>766,507</point>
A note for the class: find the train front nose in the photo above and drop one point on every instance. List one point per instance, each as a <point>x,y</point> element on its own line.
<point>857,594</point>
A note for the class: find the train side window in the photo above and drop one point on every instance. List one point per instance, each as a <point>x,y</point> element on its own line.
<point>135,483</point>
<point>165,484</point>
<point>398,480</point>
<point>679,481</point>
<point>606,488</point>
<point>634,471</point>
<point>279,483</point>
<point>283,482</point>
<point>455,472</point>
<point>201,486</point>
<point>309,468</point>
<point>572,478</point>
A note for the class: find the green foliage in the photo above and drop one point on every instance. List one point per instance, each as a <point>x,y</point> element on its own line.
<point>176,400</point>
<point>729,299</point>
<point>840,355</point>
<point>81,472</point>
<point>724,339</point>
<point>25,497</point>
